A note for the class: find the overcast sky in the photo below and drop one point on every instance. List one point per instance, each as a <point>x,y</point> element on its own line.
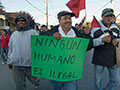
<point>93,7</point>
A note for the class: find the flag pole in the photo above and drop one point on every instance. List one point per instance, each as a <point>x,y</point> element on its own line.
<point>85,15</point>
<point>85,12</point>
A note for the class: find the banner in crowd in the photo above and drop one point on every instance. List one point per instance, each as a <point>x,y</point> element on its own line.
<point>60,60</point>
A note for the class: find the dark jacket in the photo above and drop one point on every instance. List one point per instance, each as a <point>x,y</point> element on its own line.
<point>78,34</point>
<point>105,55</point>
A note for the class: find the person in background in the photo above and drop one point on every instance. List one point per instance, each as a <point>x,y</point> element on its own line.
<point>36,28</point>
<point>76,26</point>
<point>43,29</point>
<point>9,32</point>
<point>4,45</point>
<point>19,55</point>
<point>105,39</point>
<point>85,29</point>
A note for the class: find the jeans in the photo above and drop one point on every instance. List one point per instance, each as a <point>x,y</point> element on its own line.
<point>114,78</point>
<point>70,85</point>
<point>20,74</point>
<point>4,52</point>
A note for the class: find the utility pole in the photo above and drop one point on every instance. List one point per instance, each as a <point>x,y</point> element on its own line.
<point>46,1</point>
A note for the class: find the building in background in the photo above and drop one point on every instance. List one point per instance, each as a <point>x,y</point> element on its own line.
<point>6,19</point>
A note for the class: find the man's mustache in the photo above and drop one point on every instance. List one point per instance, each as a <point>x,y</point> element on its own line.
<point>68,23</point>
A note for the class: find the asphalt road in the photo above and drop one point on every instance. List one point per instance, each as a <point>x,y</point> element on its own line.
<point>86,83</point>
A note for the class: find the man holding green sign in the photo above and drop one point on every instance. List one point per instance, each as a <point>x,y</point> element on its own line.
<point>61,59</point>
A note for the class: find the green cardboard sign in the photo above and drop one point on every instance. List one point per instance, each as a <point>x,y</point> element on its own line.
<point>60,60</point>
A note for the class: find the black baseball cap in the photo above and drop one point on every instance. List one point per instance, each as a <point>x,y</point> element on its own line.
<point>108,12</point>
<point>63,13</point>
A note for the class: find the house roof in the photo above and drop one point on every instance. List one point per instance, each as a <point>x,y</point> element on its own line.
<point>13,14</point>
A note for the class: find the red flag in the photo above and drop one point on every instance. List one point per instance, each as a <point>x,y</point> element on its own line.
<point>95,23</point>
<point>75,6</point>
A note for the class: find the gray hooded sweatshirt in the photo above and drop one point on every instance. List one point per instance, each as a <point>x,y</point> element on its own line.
<point>20,45</point>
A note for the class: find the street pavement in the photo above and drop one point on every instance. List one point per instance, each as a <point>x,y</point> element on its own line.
<point>86,83</point>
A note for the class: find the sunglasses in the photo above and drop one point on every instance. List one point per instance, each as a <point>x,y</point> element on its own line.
<point>20,19</point>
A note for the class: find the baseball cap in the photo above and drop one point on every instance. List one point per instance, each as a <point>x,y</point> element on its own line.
<point>108,12</point>
<point>63,13</point>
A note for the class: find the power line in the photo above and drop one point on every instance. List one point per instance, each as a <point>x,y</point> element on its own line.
<point>34,6</point>
<point>117,7</point>
<point>8,2</point>
<point>102,7</point>
<point>41,3</point>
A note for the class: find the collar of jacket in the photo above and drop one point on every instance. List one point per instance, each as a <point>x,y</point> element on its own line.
<point>55,29</point>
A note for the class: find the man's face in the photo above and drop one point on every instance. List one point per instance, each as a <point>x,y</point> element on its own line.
<point>2,32</point>
<point>107,19</point>
<point>43,29</point>
<point>113,20</point>
<point>66,21</point>
<point>21,23</point>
